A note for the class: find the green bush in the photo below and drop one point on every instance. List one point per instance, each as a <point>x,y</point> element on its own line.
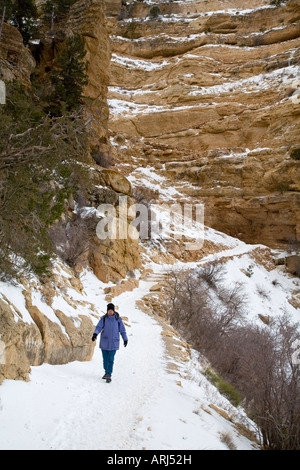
<point>38,172</point>
<point>226,389</point>
<point>69,77</point>
<point>155,12</point>
<point>60,8</point>
<point>22,14</point>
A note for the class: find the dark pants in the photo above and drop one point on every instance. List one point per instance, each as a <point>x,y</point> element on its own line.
<point>108,361</point>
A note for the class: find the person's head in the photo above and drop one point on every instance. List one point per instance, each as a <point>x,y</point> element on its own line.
<point>110,309</point>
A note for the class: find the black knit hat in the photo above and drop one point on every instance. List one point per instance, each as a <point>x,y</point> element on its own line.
<point>110,307</point>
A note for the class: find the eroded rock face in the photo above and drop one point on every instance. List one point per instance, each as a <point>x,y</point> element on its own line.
<point>48,322</point>
<point>16,61</point>
<point>208,93</point>
<point>55,326</point>
<point>21,344</point>
<point>82,237</point>
<point>87,17</point>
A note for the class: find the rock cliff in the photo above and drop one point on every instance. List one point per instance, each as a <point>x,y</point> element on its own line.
<point>110,259</point>
<point>51,320</point>
<point>44,322</point>
<point>16,61</point>
<point>209,94</point>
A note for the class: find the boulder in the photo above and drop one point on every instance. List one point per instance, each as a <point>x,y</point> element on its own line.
<point>21,344</point>
<point>16,61</point>
<point>292,263</point>
<point>210,99</point>
<point>116,181</point>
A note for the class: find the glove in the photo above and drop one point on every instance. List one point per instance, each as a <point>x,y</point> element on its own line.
<point>125,343</point>
<point>94,337</point>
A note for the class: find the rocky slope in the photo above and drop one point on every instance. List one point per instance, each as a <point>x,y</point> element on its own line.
<point>208,93</point>
<point>16,61</point>
<point>32,329</point>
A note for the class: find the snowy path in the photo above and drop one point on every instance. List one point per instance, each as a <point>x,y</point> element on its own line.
<point>69,407</point>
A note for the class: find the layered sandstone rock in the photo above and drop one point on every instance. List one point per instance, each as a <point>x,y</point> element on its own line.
<point>208,93</point>
<point>16,61</point>
<point>87,18</point>
<point>56,321</point>
<point>34,330</point>
<point>21,343</point>
<point>93,238</point>
<point>110,259</point>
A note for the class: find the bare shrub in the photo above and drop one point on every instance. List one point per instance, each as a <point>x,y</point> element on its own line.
<point>102,159</point>
<point>227,440</point>
<point>212,273</point>
<point>144,195</point>
<point>262,292</point>
<point>71,238</point>
<point>203,314</point>
<point>259,361</point>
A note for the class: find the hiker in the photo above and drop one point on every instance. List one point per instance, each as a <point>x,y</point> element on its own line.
<point>111,327</point>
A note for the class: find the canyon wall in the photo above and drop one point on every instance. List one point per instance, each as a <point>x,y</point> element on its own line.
<point>208,93</point>
<point>51,320</point>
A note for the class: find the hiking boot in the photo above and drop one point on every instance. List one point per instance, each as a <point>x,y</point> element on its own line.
<point>108,379</point>
<point>105,376</point>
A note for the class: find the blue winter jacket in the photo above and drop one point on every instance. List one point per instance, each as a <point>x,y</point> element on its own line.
<point>111,327</point>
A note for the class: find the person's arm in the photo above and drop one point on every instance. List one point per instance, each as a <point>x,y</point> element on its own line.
<point>123,333</point>
<point>98,328</point>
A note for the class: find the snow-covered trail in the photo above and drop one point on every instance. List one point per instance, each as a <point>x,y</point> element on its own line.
<point>71,407</point>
